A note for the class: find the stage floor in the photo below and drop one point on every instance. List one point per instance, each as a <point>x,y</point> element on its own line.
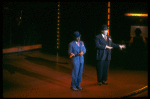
<point>34,74</point>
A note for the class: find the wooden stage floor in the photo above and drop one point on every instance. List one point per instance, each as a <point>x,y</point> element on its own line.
<point>40,75</point>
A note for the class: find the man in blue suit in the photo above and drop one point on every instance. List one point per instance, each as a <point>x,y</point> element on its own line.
<point>104,45</point>
<point>76,51</point>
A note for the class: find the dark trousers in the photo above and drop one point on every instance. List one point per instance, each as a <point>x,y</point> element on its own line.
<point>102,70</point>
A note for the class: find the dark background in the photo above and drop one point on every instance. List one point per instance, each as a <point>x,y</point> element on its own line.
<point>39,25</point>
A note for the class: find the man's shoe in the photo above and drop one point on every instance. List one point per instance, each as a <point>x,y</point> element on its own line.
<point>105,83</point>
<point>99,83</point>
<point>80,88</point>
<point>74,89</point>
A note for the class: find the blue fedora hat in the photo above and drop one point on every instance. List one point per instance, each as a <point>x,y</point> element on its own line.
<point>76,34</point>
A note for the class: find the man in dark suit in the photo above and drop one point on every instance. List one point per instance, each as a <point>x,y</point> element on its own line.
<point>104,45</point>
<point>76,51</point>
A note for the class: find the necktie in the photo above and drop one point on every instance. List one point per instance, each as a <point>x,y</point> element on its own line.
<point>78,44</point>
<point>105,38</point>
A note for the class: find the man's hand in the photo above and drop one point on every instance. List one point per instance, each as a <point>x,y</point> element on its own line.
<point>109,47</point>
<point>71,55</point>
<point>81,53</point>
<point>122,46</point>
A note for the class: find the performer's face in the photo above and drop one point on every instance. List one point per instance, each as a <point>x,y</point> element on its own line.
<point>78,39</point>
<point>105,32</point>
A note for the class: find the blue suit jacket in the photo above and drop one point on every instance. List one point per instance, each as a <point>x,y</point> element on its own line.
<point>74,48</point>
<point>100,46</point>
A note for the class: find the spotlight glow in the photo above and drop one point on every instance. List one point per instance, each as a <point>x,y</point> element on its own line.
<point>136,14</point>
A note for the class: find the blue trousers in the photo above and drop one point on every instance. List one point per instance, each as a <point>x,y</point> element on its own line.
<point>102,70</point>
<point>77,74</point>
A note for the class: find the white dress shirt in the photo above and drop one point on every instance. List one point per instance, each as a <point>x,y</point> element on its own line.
<point>77,43</point>
<point>104,36</point>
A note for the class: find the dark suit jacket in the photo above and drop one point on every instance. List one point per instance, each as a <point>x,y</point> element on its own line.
<point>101,52</point>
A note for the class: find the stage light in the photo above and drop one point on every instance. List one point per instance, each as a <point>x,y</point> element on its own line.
<point>108,20</point>
<point>108,16</point>
<point>136,14</point>
<point>108,10</point>
<point>108,4</point>
<point>58,25</point>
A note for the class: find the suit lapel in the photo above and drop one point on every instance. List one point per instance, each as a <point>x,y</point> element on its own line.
<point>76,47</point>
<point>103,40</point>
<point>76,43</point>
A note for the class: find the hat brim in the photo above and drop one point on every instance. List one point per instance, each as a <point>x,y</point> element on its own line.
<point>78,36</point>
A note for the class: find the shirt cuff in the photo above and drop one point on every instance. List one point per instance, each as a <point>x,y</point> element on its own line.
<point>105,47</point>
